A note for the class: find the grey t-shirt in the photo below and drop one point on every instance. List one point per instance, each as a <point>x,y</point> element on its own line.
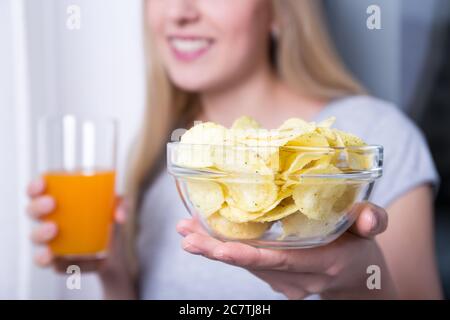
<point>168,272</point>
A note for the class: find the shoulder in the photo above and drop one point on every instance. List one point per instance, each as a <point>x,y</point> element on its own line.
<point>407,159</point>
<point>371,118</point>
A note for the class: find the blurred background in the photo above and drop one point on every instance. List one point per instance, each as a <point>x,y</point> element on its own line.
<point>47,65</point>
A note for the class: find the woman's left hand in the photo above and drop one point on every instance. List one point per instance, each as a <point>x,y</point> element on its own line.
<point>337,270</point>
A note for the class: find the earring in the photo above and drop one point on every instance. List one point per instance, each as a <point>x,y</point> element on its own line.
<point>275,31</point>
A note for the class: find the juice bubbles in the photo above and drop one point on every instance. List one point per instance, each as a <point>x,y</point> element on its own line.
<point>85,203</point>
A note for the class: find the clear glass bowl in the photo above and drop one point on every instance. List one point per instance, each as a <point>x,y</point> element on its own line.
<point>274,197</point>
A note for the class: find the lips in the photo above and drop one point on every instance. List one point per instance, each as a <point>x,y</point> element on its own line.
<point>190,48</point>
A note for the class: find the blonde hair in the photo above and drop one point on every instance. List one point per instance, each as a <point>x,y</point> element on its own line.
<point>304,59</point>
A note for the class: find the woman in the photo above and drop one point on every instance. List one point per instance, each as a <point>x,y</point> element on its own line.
<point>272,60</point>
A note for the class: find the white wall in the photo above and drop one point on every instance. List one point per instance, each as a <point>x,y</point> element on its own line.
<point>14,146</point>
<point>8,187</point>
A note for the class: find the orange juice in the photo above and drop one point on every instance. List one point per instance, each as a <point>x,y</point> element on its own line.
<point>85,204</point>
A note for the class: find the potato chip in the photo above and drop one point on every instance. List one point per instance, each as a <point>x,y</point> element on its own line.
<point>281,196</point>
<point>194,156</point>
<point>252,197</point>
<point>207,197</point>
<point>319,166</point>
<point>299,225</point>
<point>327,123</point>
<point>358,161</point>
<point>297,124</point>
<point>284,209</point>
<point>333,139</point>
<point>300,160</point>
<point>344,203</point>
<point>239,231</point>
<point>196,145</point>
<point>315,197</point>
<point>349,139</point>
<point>316,201</point>
<point>239,216</point>
<point>240,160</point>
<point>245,123</point>
<point>311,139</point>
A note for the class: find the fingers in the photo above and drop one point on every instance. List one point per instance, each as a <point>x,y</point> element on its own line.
<point>44,233</point>
<point>188,226</point>
<point>36,188</point>
<point>44,258</point>
<point>121,213</point>
<point>234,253</point>
<point>251,258</point>
<point>371,221</point>
<point>41,206</point>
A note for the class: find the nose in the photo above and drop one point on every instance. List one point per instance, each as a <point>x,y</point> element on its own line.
<point>183,12</point>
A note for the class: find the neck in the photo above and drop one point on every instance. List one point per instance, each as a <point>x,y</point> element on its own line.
<point>252,96</point>
<point>261,96</point>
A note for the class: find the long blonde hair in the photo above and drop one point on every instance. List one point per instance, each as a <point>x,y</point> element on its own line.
<point>304,58</point>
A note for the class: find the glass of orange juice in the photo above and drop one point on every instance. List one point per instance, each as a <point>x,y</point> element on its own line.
<point>77,156</point>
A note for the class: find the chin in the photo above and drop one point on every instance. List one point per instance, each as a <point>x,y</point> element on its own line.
<point>191,83</point>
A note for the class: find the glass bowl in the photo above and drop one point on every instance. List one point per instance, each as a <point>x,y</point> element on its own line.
<point>274,197</point>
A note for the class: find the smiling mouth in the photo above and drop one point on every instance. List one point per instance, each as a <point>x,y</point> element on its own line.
<point>188,49</point>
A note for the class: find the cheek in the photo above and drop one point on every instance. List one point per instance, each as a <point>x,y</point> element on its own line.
<point>243,27</point>
<point>154,15</point>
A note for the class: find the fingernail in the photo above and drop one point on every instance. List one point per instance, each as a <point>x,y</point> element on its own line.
<point>46,202</point>
<point>38,184</point>
<point>183,232</point>
<point>190,248</point>
<point>373,221</point>
<point>49,229</point>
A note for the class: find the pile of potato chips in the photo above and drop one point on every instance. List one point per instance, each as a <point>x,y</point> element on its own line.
<point>292,175</point>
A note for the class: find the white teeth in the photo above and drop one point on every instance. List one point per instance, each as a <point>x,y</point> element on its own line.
<point>189,46</point>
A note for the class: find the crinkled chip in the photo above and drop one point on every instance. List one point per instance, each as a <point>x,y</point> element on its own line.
<point>239,231</point>
<point>300,160</point>
<point>281,196</point>
<point>245,123</point>
<point>319,166</point>
<point>297,124</point>
<point>357,161</point>
<point>310,139</point>
<point>239,216</point>
<point>314,196</point>
<point>317,201</point>
<point>207,197</point>
<point>344,203</point>
<point>206,133</point>
<point>252,197</point>
<point>240,160</point>
<point>196,145</point>
<point>299,225</point>
<point>327,123</point>
<point>284,209</point>
<point>349,139</point>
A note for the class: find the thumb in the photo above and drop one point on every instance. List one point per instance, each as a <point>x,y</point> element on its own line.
<point>371,220</point>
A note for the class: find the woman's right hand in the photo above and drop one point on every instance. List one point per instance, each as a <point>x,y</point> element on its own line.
<point>41,205</point>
